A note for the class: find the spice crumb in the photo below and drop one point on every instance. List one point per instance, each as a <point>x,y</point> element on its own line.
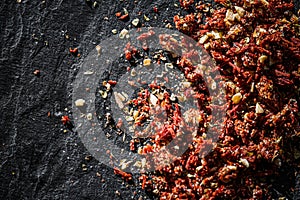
<point>135,22</point>
<point>258,109</point>
<point>147,62</point>
<point>37,72</point>
<point>98,48</point>
<point>146,18</point>
<point>118,193</point>
<point>237,98</point>
<point>114,31</point>
<point>79,102</point>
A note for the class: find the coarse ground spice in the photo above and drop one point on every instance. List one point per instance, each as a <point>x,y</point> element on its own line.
<point>256,47</point>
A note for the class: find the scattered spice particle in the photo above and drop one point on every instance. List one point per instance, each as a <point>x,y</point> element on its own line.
<point>98,48</point>
<point>135,22</point>
<point>124,17</point>
<point>237,98</point>
<point>146,18</point>
<point>84,167</point>
<point>258,109</point>
<point>98,174</point>
<point>147,62</point>
<point>123,34</point>
<point>37,72</point>
<point>74,51</point>
<point>114,31</point>
<point>126,176</point>
<point>95,4</point>
<point>79,102</point>
<point>112,82</point>
<point>89,116</point>
<point>118,193</point>
<point>88,157</point>
<point>65,119</point>
<point>118,14</point>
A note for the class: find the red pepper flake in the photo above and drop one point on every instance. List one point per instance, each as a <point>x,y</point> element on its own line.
<point>65,119</point>
<point>124,17</point>
<point>143,178</point>
<point>118,14</point>
<point>128,55</point>
<point>111,82</point>
<point>186,3</point>
<point>259,59</point>
<point>155,9</point>
<point>126,176</point>
<point>132,147</point>
<point>74,51</point>
<point>145,36</point>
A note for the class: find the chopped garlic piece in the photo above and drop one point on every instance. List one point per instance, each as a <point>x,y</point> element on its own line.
<point>147,62</point>
<point>237,98</point>
<point>258,109</point>
<point>79,102</point>
<point>124,33</point>
<point>153,99</point>
<point>203,39</point>
<point>135,22</point>
<point>262,58</point>
<point>240,10</point>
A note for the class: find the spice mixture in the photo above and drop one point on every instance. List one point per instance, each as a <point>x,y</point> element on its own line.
<point>256,47</point>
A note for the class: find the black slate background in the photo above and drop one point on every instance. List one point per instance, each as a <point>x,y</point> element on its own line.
<point>37,159</point>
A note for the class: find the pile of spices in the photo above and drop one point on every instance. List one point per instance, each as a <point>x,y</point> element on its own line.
<point>256,47</point>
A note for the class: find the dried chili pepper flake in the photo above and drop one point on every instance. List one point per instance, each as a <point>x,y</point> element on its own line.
<point>65,119</point>
<point>124,17</point>
<point>112,82</point>
<point>118,14</point>
<point>132,145</point>
<point>128,55</point>
<point>126,176</point>
<point>243,57</point>
<point>74,51</point>
<point>144,36</point>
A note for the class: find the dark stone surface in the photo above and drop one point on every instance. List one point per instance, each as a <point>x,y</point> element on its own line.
<point>37,159</point>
